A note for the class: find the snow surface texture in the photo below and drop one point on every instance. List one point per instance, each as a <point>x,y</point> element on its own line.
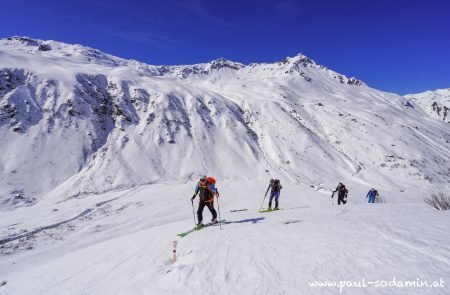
<point>99,156</point>
<point>121,243</point>
<point>76,120</point>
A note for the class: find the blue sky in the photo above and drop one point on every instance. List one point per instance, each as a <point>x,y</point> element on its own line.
<point>398,45</point>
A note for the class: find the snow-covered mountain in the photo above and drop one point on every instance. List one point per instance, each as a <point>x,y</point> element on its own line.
<point>76,120</point>
<point>436,103</point>
<point>82,131</point>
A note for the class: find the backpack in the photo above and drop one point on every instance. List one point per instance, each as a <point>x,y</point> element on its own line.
<point>206,194</point>
<point>276,185</point>
<point>211,180</point>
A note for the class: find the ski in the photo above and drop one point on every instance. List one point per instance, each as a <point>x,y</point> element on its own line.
<point>269,210</point>
<point>197,228</point>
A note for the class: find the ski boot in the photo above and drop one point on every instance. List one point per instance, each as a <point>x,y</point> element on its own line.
<point>214,220</point>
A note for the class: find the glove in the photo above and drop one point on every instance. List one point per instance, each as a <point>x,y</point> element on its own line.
<point>218,195</point>
<point>192,199</point>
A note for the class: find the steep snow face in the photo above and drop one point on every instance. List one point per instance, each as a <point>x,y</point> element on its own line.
<point>436,103</point>
<point>81,121</point>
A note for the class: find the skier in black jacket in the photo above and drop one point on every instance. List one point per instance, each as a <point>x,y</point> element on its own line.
<point>342,193</point>
<point>275,188</point>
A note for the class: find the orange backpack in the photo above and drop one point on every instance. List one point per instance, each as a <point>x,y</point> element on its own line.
<point>211,180</point>
<point>208,194</point>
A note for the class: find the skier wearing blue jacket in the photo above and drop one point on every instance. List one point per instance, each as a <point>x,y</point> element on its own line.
<point>206,190</point>
<point>371,195</point>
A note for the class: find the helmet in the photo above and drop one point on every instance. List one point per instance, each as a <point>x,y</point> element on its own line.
<point>203,177</point>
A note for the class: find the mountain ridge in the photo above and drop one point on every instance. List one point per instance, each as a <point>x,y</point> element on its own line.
<point>38,46</point>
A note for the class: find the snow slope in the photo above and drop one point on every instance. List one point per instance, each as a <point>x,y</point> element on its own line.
<point>436,103</point>
<point>75,120</point>
<point>123,245</point>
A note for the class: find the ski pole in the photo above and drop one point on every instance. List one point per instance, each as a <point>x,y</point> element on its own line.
<point>260,207</point>
<point>193,213</point>
<point>218,209</point>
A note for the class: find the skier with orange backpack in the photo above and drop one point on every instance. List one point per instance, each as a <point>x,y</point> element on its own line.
<point>206,189</point>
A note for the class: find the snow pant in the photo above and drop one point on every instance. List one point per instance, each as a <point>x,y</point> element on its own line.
<point>341,198</point>
<point>272,195</point>
<point>372,199</point>
<point>201,206</point>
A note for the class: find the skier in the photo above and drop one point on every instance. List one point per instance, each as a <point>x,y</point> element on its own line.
<point>342,193</point>
<point>275,188</point>
<point>206,189</point>
<point>371,195</point>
